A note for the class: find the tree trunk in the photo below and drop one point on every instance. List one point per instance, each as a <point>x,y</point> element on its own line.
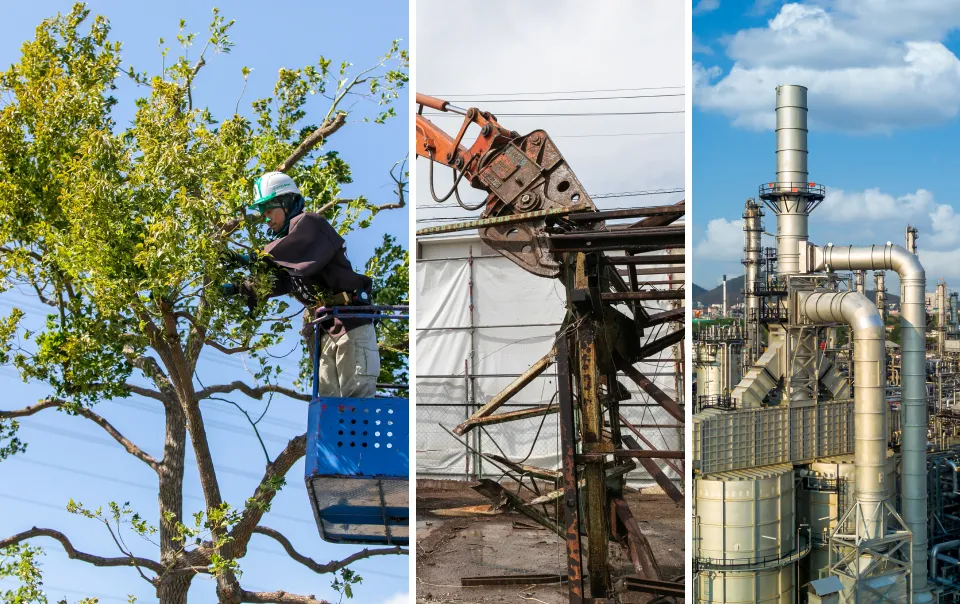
<point>174,589</point>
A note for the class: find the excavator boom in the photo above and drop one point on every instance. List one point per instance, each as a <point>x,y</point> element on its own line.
<point>520,174</point>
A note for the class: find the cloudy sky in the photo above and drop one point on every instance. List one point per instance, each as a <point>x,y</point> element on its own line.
<point>884,93</point>
<point>480,54</point>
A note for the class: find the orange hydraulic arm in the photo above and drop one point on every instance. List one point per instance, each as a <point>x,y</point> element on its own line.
<point>520,174</point>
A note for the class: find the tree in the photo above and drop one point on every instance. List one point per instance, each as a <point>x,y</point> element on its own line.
<point>123,234</point>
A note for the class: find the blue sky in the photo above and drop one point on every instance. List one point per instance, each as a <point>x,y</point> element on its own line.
<point>884,91</point>
<point>68,457</point>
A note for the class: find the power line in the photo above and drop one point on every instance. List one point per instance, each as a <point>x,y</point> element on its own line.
<point>639,193</point>
<point>618,134</point>
<point>480,94</point>
<point>588,114</point>
<point>592,196</point>
<point>585,98</point>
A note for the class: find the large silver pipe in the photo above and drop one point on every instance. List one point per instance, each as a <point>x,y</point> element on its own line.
<point>913,474</point>
<point>935,553</point>
<point>869,401</point>
<point>791,135</point>
<point>881,293</point>
<point>792,210</point>
<point>752,230</point>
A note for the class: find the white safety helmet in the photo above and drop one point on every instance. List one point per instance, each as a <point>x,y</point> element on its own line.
<point>268,188</point>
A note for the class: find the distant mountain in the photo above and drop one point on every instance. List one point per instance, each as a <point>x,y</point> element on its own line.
<point>702,296</point>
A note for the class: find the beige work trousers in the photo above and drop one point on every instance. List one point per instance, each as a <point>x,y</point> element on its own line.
<point>349,364</point>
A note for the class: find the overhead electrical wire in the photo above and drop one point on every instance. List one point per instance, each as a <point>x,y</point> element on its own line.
<point>480,94</point>
<point>588,114</point>
<point>592,196</point>
<point>584,98</point>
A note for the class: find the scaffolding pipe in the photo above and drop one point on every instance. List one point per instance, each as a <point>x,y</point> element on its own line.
<point>869,402</point>
<point>913,476</point>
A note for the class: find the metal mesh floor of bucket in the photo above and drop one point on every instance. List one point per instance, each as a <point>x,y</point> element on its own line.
<point>361,510</point>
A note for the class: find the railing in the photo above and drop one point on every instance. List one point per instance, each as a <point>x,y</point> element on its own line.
<point>774,188</point>
<point>752,563</point>
<point>717,401</point>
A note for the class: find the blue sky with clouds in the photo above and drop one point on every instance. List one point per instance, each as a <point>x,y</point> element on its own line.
<point>884,93</point>
<point>69,457</point>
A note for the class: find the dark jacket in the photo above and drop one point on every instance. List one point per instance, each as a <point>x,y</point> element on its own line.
<point>314,263</point>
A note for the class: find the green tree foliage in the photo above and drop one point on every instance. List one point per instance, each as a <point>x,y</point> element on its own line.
<point>122,231</point>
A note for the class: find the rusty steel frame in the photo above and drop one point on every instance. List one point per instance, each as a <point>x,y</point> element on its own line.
<point>572,243</point>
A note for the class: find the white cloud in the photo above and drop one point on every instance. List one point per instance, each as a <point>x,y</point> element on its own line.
<point>858,81</point>
<point>873,205</point>
<point>402,598</point>
<point>706,6</point>
<point>940,264</point>
<point>609,39</point>
<point>946,226</point>
<point>722,241</point>
<point>701,48</point>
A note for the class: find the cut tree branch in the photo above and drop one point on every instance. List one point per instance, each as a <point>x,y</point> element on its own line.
<point>278,597</point>
<point>250,391</point>
<point>316,137</point>
<point>54,403</point>
<point>332,566</point>
<point>75,554</point>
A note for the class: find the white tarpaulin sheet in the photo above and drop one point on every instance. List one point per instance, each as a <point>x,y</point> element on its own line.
<point>512,323</point>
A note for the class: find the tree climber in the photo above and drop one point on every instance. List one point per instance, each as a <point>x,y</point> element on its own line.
<point>310,263</point>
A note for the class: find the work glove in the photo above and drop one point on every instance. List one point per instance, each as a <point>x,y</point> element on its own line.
<point>245,290</point>
<point>234,259</point>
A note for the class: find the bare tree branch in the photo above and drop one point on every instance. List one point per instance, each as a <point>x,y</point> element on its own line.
<point>147,392</point>
<point>256,505</point>
<point>333,565</point>
<point>256,393</point>
<point>75,554</point>
<point>54,403</point>
<point>236,350</point>
<point>327,128</point>
<point>278,597</point>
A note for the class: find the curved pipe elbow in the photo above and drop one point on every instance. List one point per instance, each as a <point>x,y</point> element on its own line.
<point>888,257</point>
<point>851,308</point>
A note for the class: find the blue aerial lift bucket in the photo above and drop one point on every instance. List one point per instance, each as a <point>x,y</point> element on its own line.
<point>358,456</point>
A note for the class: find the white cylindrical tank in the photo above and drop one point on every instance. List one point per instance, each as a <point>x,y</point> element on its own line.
<point>744,518</point>
<point>821,509</point>
<point>709,372</point>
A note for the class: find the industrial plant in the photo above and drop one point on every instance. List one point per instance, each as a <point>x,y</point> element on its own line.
<point>825,436</point>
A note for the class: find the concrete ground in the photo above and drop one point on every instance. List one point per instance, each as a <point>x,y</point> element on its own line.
<point>449,548</point>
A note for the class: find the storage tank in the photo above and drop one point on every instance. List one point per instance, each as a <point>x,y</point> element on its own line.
<point>745,532</point>
<point>709,371</point>
<point>824,500</point>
